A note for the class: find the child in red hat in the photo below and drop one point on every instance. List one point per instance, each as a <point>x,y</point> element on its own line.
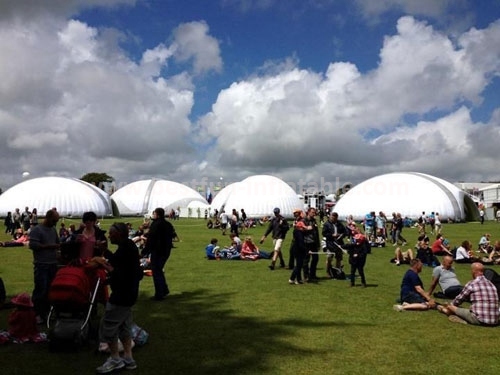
<point>22,321</point>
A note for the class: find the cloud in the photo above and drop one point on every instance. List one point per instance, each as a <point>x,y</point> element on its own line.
<point>193,42</point>
<point>72,100</point>
<point>432,8</point>
<point>30,9</point>
<point>328,123</point>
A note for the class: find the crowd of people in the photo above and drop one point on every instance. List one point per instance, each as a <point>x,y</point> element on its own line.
<point>355,242</point>
<point>87,246</point>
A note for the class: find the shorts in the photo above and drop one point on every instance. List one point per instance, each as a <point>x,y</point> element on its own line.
<point>277,242</point>
<point>467,315</point>
<point>116,323</point>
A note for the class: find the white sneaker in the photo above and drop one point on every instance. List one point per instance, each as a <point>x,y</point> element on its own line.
<point>110,365</point>
<point>397,263</point>
<point>398,308</point>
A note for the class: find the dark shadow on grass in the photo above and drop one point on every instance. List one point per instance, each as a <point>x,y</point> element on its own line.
<point>198,333</point>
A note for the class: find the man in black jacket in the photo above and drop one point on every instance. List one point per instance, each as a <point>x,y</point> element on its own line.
<point>312,243</point>
<point>334,232</point>
<point>159,244</point>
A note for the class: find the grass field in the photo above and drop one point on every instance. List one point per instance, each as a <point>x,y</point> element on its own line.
<point>235,317</point>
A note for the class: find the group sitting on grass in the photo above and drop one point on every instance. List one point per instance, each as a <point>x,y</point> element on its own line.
<point>480,292</point>
<point>237,250</point>
<point>428,254</point>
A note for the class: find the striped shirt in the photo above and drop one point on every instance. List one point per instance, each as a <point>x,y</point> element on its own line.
<point>483,297</point>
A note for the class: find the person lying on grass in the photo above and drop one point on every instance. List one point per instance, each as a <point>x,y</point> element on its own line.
<point>402,257</point>
<point>413,295</point>
<point>20,239</point>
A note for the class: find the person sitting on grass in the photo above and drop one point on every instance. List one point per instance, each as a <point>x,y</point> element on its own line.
<point>212,250</point>
<point>402,257</point>
<point>425,254</point>
<point>250,251</point>
<point>483,297</point>
<point>447,278</point>
<point>484,244</point>
<point>464,253</point>
<point>494,256</point>
<point>233,251</point>
<point>413,296</point>
<point>441,246</point>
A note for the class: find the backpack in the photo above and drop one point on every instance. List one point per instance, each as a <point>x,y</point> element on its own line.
<point>494,277</point>
<point>139,335</point>
<point>336,273</point>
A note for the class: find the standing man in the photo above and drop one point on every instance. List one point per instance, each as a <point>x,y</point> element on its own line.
<point>334,232</point>
<point>125,274</point>
<point>312,244</point>
<point>279,228</point>
<point>44,242</point>
<point>26,218</point>
<point>223,221</point>
<point>483,297</point>
<point>159,244</point>
<point>16,219</point>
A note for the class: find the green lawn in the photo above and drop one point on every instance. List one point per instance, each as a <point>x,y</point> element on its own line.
<point>234,317</point>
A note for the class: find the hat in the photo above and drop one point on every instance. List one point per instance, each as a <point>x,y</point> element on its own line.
<point>297,210</point>
<point>276,210</point>
<point>22,299</point>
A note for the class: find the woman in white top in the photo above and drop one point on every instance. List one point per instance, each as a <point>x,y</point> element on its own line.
<point>464,253</point>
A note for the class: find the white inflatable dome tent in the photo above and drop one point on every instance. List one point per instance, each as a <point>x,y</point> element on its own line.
<point>72,197</point>
<point>408,193</point>
<point>142,197</point>
<point>258,196</point>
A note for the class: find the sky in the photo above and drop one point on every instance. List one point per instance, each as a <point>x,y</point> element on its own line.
<point>316,92</point>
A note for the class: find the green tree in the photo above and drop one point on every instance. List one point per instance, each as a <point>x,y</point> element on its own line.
<point>97,179</point>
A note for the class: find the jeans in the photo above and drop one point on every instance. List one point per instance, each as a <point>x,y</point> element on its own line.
<point>310,271</point>
<point>43,276</point>
<point>399,237</point>
<point>299,262</point>
<point>453,291</point>
<point>361,271</point>
<point>157,263</point>
<point>291,259</point>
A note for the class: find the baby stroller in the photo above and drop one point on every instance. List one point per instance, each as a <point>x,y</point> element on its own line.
<point>72,302</point>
